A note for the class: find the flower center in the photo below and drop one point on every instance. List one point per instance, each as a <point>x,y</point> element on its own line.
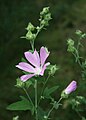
<point>38,70</point>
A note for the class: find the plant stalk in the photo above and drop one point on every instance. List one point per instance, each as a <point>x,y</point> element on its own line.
<point>36,105</point>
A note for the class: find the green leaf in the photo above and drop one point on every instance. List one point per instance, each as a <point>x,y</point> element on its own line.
<point>41,114</point>
<point>49,91</point>
<point>24,104</point>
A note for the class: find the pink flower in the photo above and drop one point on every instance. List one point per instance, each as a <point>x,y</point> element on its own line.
<point>37,64</point>
<point>71,87</point>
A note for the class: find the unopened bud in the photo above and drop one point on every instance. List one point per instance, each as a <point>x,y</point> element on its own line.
<point>53,69</point>
<point>71,47</point>
<point>78,32</point>
<point>30,36</point>
<point>19,83</point>
<point>30,27</point>
<point>70,41</point>
<point>70,88</point>
<point>44,22</point>
<point>83,35</point>
<point>47,17</point>
<point>44,11</point>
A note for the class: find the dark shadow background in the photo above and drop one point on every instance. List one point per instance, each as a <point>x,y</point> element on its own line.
<point>68,15</point>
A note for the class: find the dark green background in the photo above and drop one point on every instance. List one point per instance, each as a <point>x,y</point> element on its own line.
<point>68,15</point>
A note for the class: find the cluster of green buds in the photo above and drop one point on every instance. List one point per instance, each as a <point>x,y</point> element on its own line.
<point>80,34</point>
<point>32,32</point>
<point>77,101</point>
<point>30,35</point>
<point>53,69</point>
<point>45,17</point>
<point>71,47</point>
<point>74,103</point>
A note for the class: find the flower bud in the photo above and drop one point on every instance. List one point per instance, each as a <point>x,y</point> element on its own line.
<point>70,42</point>
<point>83,35</point>
<point>70,88</point>
<point>30,27</point>
<point>30,36</point>
<point>71,47</point>
<point>44,22</point>
<point>53,69</point>
<point>47,17</point>
<point>19,83</point>
<point>78,32</point>
<point>44,11</point>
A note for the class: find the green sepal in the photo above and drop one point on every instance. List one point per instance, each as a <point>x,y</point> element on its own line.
<point>64,95</point>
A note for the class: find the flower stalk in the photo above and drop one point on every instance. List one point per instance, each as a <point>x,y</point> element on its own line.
<point>53,107</point>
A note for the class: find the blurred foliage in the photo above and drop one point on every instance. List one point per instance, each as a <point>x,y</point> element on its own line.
<point>68,15</point>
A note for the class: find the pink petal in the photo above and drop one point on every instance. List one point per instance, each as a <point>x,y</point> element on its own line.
<point>33,58</point>
<point>37,58</point>
<point>43,55</point>
<point>43,69</point>
<point>26,67</point>
<point>26,77</point>
<point>71,87</point>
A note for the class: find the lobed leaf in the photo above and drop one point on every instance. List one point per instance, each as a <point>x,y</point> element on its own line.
<point>24,104</point>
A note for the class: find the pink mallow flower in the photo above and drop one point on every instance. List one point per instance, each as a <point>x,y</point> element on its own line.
<point>36,65</point>
<point>71,87</point>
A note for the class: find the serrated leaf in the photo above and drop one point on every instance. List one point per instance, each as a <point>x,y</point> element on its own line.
<point>24,104</point>
<point>49,91</point>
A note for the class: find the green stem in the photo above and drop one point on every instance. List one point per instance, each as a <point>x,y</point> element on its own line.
<point>43,88</point>
<point>53,108</point>
<point>78,44</point>
<point>36,106</point>
<point>32,44</point>
<point>76,55</point>
<point>32,41</point>
<point>40,28</point>
<point>28,96</point>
